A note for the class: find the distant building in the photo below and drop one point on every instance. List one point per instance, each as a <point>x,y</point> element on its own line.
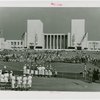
<point>94,45</point>
<point>35,35</point>
<point>36,39</point>
<point>78,36</point>
<point>14,44</point>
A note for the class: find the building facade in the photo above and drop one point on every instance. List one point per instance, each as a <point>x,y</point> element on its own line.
<point>78,35</point>
<point>35,35</point>
<point>55,41</point>
<point>36,39</point>
<point>14,44</point>
<point>94,45</point>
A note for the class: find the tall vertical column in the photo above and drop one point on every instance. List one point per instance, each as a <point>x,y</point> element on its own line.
<point>47,42</point>
<point>53,41</point>
<point>64,42</point>
<point>44,41</point>
<point>69,40</point>
<point>50,41</point>
<point>60,41</point>
<point>57,41</point>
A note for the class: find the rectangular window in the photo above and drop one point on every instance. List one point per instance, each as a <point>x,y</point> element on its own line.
<point>11,43</point>
<point>21,43</point>
<point>18,43</point>
<point>14,43</point>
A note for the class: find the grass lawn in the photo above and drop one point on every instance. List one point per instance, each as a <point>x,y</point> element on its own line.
<point>62,84</point>
<point>58,84</point>
<point>60,67</point>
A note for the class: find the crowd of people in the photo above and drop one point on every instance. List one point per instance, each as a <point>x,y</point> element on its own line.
<point>15,82</point>
<point>40,70</point>
<point>24,82</point>
<point>91,75</point>
<point>49,56</point>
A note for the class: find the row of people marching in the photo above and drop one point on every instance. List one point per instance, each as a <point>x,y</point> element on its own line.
<point>17,82</point>
<point>39,71</point>
<point>91,75</point>
<point>21,82</point>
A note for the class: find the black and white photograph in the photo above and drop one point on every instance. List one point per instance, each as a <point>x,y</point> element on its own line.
<point>50,49</point>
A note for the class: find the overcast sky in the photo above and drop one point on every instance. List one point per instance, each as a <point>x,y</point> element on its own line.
<point>13,21</point>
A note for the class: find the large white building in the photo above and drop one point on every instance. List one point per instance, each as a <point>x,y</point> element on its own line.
<point>78,35</point>
<point>36,39</point>
<point>35,35</point>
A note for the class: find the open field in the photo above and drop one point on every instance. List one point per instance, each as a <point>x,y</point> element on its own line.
<point>63,84</point>
<point>58,84</point>
<point>60,67</point>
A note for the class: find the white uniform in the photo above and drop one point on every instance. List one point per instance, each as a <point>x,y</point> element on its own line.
<point>28,71</point>
<point>32,72</point>
<point>0,74</point>
<point>2,78</point>
<point>11,75</point>
<point>49,72</point>
<point>29,81</point>
<point>46,72</point>
<point>13,81</point>
<point>40,70</point>
<point>6,76</point>
<point>19,81</point>
<point>24,82</point>
<point>43,71</point>
<point>25,69</point>
<point>36,72</point>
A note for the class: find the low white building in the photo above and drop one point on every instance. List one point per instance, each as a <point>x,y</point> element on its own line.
<point>14,44</point>
<point>94,45</point>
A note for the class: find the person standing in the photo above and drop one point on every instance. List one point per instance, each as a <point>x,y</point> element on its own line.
<point>2,78</point>
<point>43,71</point>
<point>36,71</point>
<point>24,82</point>
<point>6,75</point>
<point>85,74</point>
<point>90,75</point>
<point>85,66</point>
<point>25,69</point>
<point>0,74</point>
<point>94,75</point>
<point>19,81</point>
<point>28,70</point>
<point>46,73</point>
<point>29,83</point>
<point>13,81</point>
<point>11,74</point>
<point>49,73</point>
